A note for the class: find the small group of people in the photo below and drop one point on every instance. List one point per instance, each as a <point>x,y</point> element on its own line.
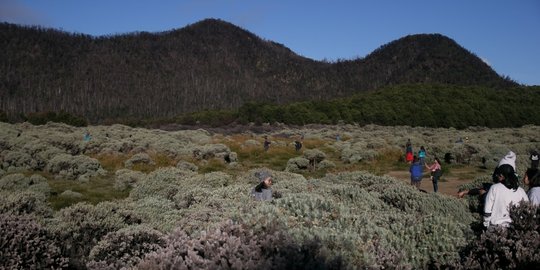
<point>417,172</point>
<point>418,162</point>
<point>504,190</point>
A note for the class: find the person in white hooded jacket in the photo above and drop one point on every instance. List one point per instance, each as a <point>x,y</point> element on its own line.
<point>501,196</point>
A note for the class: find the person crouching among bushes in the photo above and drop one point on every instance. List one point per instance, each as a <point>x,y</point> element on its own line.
<point>501,195</point>
<point>263,191</point>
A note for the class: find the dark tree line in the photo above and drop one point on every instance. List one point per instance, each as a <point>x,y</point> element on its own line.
<point>208,65</point>
<point>414,105</point>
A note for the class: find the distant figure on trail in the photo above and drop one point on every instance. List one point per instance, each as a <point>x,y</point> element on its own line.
<point>87,136</point>
<point>297,145</point>
<point>532,179</point>
<point>436,172</point>
<point>266,144</point>
<point>501,195</point>
<point>338,138</point>
<point>263,191</point>
<point>422,155</point>
<point>408,151</point>
<point>416,171</point>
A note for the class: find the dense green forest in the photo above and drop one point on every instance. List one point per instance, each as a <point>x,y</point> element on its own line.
<point>414,105</point>
<point>209,65</point>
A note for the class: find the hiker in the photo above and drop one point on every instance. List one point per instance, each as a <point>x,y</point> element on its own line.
<point>297,145</point>
<point>416,172</point>
<point>532,179</point>
<point>501,195</point>
<point>263,191</point>
<point>436,172</point>
<point>266,144</point>
<point>408,151</point>
<point>87,136</point>
<point>422,155</point>
<point>338,138</point>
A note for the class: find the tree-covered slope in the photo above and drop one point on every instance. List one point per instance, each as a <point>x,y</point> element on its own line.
<point>211,64</point>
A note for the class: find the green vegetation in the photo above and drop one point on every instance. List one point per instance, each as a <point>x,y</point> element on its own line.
<point>414,105</point>
<point>211,65</point>
<point>94,191</point>
<point>41,118</point>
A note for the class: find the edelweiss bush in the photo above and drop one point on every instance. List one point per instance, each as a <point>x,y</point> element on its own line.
<point>234,246</point>
<point>140,158</point>
<point>25,202</point>
<point>73,167</point>
<point>27,245</point>
<point>81,226</point>
<point>126,179</point>
<point>297,164</point>
<point>184,165</point>
<point>125,248</point>
<point>19,182</point>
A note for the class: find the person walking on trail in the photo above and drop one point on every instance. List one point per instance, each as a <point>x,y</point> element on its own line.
<point>408,151</point>
<point>266,144</point>
<point>416,172</point>
<point>436,172</point>
<point>501,196</point>
<point>297,145</point>
<point>422,155</point>
<point>263,191</point>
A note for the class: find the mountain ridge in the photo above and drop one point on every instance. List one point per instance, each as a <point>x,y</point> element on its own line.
<point>210,64</point>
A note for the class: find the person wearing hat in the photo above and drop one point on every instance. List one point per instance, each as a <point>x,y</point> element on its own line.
<point>501,195</point>
<point>263,191</point>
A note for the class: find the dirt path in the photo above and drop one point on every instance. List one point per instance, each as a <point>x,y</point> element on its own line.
<point>448,186</point>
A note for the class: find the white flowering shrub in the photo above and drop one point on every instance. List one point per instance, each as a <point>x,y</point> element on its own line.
<point>184,165</point>
<point>81,226</point>
<point>19,182</point>
<point>356,152</point>
<point>393,221</point>
<point>210,151</point>
<point>18,159</point>
<point>325,164</point>
<point>140,158</point>
<point>297,164</point>
<point>27,245</point>
<point>157,212</point>
<point>125,248</point>
<point>25,202</point>
<point>73,167</point>
<point>125,179</point>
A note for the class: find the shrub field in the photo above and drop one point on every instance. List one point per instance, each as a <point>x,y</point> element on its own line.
<point>133,198</point>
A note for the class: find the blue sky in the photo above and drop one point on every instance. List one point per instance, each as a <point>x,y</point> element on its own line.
<point>504,33</point>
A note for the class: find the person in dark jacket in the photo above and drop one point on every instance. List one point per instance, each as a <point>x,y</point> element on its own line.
<point>416,171</point>
<point>263,191</point>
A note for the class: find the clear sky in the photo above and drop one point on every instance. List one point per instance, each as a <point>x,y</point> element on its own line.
<point>504,33</point>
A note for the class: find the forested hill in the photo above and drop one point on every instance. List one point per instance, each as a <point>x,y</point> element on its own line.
<point>211,64</point>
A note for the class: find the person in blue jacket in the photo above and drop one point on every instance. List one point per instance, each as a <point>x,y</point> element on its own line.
<point>416,171</point>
